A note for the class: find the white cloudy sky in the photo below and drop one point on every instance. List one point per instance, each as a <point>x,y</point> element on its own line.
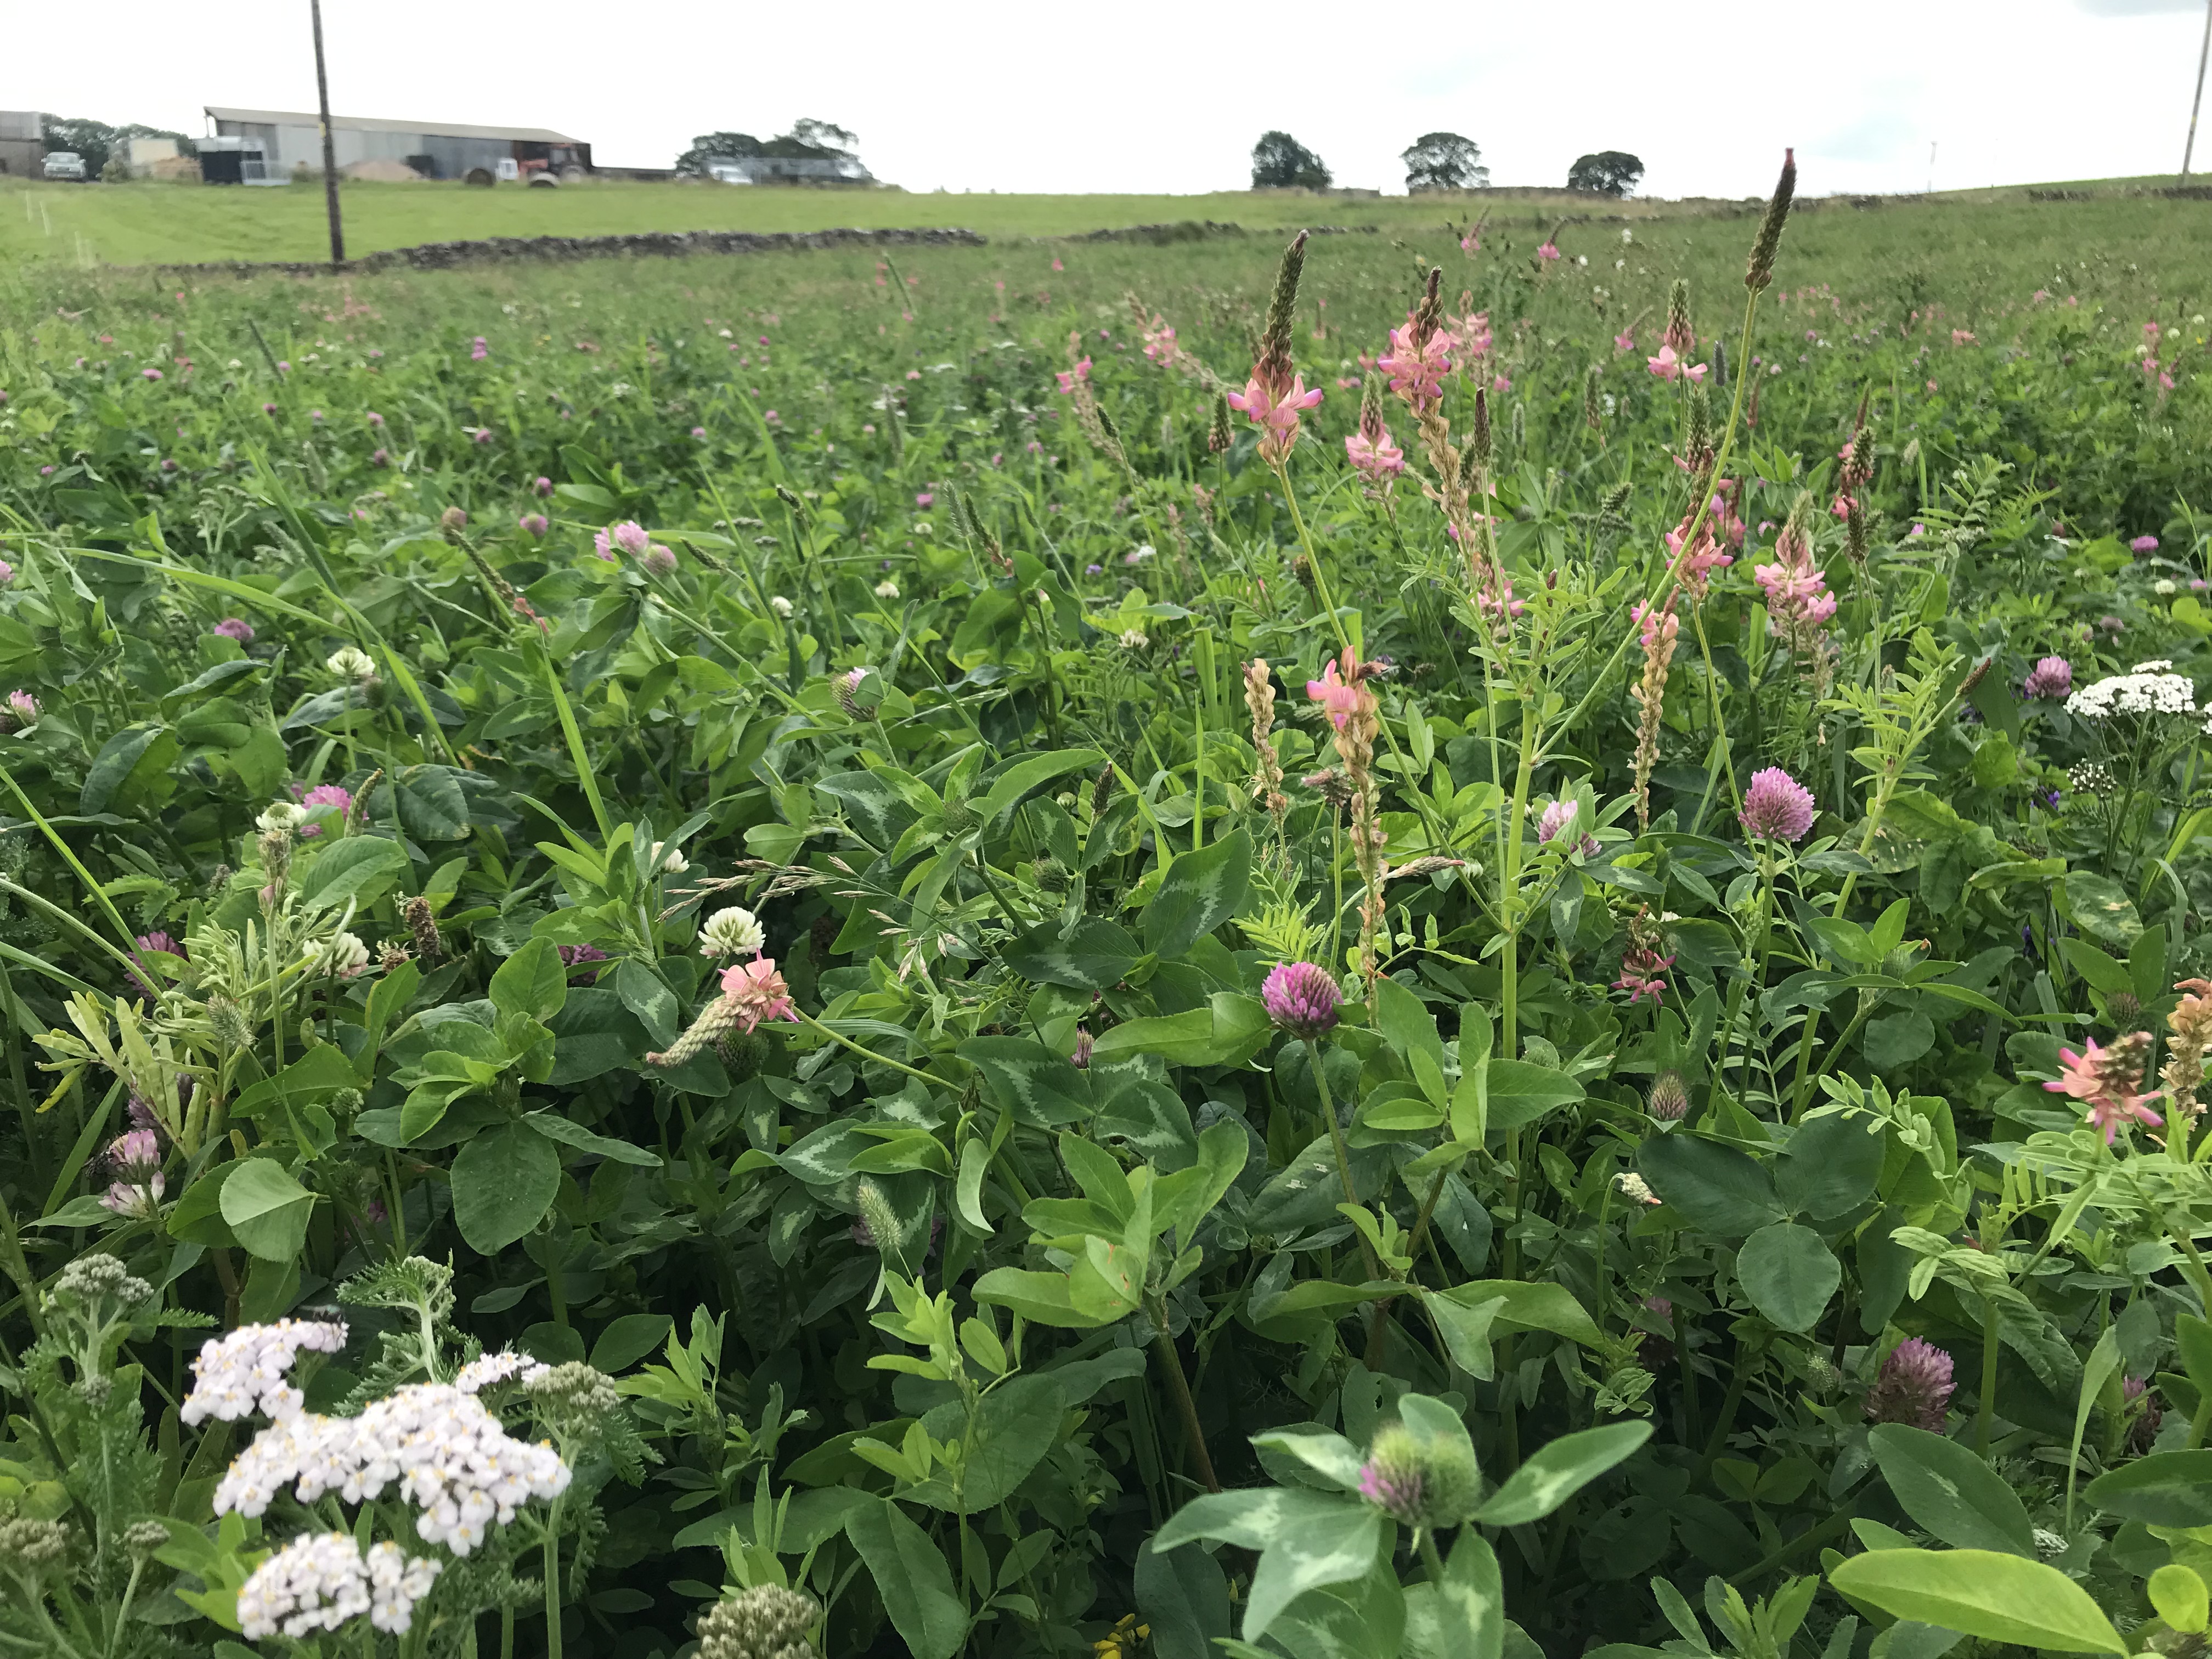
<point>1167,96</point>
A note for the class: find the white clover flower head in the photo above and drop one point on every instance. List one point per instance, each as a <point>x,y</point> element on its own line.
<point>1133,639</point>
<point>507,1365</point>
<point>735,932</point>
<point>280,815</point>
<point>887,589</point>
<point>2164,587</point>
<point>2148,690</point>
<point>780,606</point>
<point>244,1371</point>
<point>1627,234</point>
<point>342,956</point>
<point>1634,1186</point>
<point>350,662</point>
<point>667,862</point>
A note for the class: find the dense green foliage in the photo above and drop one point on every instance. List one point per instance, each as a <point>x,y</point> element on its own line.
<point>1639,1199</point>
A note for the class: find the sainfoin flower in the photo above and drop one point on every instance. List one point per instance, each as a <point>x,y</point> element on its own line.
<point>244,1371</point>
<point>1342,699</point>
<point>757,993</point>
<point>1797,596</point>
<point>1376,457</point>
<point>2106,1081</point>
<point>235,627</point>
<point>1776,806</point>
<point>1668,366</point>
<point>1417,363</point>
<point>2051,678</point>
<point>1301,999</point>
<point>1913,1387</point>
<point>1068,377</point>
<point>1275,415</point>
<point>1642,973</point>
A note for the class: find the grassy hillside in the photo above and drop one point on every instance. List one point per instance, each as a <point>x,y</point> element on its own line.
<point>157,223</point>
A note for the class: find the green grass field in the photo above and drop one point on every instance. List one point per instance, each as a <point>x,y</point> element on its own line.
<point>154,223</point>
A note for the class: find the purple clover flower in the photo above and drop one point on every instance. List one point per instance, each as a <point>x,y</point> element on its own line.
<point>1776,806</point>
<point>1913,1388</point>
<point>1301,999</point>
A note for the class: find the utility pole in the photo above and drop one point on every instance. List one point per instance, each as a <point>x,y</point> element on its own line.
<point>330,144</point>
<point>2190,149</point>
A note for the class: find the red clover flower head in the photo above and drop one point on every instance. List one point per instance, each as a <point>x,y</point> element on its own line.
<point>1913,1388</point>
<point>1777,806</point>
<point>2050,679</point>
<point>1301,999</point>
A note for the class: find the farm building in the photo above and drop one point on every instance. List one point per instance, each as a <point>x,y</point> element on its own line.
<point>788,170</point>
<point>23,152</point>
<point>292,139</point>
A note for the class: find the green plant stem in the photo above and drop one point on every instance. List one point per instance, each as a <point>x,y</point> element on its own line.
<point>1432,1558</point>
<point>553,1582</point>
<point>807,1018</point>
<point>1985,1411</point>
<point>1834,1527</point>
<point>578,755</point>
<point>1738,1380</point>
<point>1343,1158</point>
<point>1179,1386</point>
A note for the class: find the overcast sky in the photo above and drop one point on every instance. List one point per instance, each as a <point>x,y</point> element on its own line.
<point>1145,95</point>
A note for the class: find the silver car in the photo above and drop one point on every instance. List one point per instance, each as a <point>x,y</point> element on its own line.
<point>65,164</point>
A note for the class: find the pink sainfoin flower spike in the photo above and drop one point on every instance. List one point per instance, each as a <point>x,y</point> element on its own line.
<point>1668,365</point>
<point>2051,679</point>
<point>1417,363</point>
<point>1275,415</point>
<point>1341,697</point>
<point>1625,341</point>
<point>1548,252</point>
<point>1796,593</point>
<point>1697,565</point>
<point>1642,973</point>
<point>1776,807</point>
<point>1301,999</point>
<point>2106,1080</point>
<point>1068,377</point>
<point>1914,1386</point>
<point>1376,457</point>
<point>758,993</point>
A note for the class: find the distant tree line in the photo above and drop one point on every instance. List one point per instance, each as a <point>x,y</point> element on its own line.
<point>99,144</point>
<point>1435,160</point>
<point>808,140</point>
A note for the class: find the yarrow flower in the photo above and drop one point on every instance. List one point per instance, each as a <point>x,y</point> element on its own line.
<point>2106,1081</point>
<point>447,1454</point>
<point>735,932</point>
<point>1776,806</point>
<point>2147,689</point>
<point>322,1580</point>
<point>1913,1387</point>
<point>244,1371</point>
<point>492,1369</point>
<point>1301,999</point>
<point>2050,679</point>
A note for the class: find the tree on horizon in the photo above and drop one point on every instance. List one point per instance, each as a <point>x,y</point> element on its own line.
<point>1281,162</point>
<point>1443,160</point>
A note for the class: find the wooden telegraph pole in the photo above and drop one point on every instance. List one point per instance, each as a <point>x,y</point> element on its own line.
<point>2188,150</point>
<point>330,144</point>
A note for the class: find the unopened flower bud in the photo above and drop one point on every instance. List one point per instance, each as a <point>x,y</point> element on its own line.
<point>1430,1484</point>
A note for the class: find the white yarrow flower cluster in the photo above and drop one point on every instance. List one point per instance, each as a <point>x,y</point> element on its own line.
<point>448,1455</point>
<point>320,1580</point>
<point>481,1374</point>
<point>245,1371</point>
<point>2148,690</point>
<point>349,662</point>
<point>735,932</point>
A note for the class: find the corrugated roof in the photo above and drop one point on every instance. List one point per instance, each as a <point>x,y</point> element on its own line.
<point>369,123</point>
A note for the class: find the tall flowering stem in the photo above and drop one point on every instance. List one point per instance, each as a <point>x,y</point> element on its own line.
<point>1353,714</point>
